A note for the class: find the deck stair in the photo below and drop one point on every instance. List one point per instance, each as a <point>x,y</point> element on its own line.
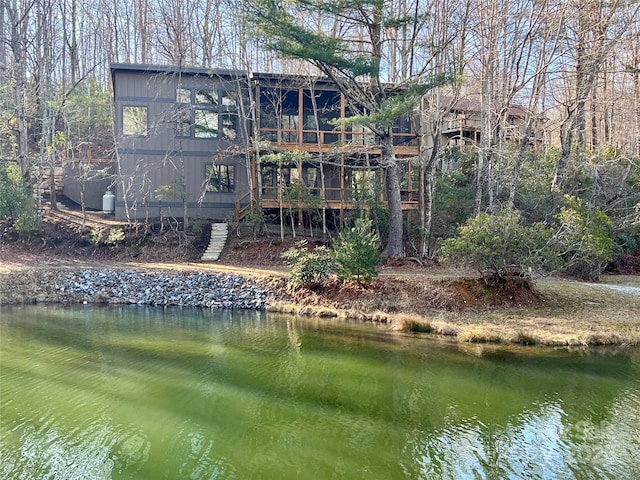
<point>218,240</point>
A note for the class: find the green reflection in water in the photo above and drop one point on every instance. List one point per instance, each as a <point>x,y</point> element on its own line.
<point>97,393</point>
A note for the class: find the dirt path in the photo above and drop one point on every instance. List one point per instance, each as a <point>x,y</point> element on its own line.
<point>635,291</point>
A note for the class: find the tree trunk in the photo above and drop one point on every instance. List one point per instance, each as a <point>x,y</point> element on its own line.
<point>429,145</point>
<point>519,157</point>
<point>566,141</point>
<point>19,21</point>
<point>429,196</point>
<point>394,247</point>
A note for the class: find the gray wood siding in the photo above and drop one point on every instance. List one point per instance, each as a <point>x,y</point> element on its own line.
<point>149,162</point>
<point>77,186</point>
<point>142,175</point>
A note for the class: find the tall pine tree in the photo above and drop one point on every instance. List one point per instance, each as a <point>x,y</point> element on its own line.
<point>348,41</point>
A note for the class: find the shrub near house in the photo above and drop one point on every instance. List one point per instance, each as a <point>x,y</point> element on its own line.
<point>353,257</point>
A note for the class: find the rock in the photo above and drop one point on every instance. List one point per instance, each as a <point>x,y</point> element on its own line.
<point>200,290</point>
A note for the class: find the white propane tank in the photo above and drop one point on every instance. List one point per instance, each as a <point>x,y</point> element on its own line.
<point>108,202</point>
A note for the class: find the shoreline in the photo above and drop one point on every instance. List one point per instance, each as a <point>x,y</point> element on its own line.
<point>573,314</point>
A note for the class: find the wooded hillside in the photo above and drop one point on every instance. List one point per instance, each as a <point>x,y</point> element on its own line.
<point>572,66</point>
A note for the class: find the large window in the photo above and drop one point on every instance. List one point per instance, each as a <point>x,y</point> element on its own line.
<point>403,133</point>
<point>183,95</point>
<point>279,114</point>
<point>206,113</point>
<point>321,109</point>
<point>206,124</point>
<point>220,178</point>
<point>207,97</point>
<point>134,121</point>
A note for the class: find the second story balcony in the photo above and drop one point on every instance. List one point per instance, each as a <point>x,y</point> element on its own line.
<point>312,120</point>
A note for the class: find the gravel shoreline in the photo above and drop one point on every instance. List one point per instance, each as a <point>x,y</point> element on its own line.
<point>188,289</point>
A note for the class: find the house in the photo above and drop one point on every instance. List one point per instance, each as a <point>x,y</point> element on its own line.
<point>87,176</point>
<point>211,141</point>
<point>462,123</point>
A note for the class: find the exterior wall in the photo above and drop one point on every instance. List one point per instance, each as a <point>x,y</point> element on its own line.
<point>161,158</point>
<point>99,178</point>
<point>464,126</point>
<point>143,173</point>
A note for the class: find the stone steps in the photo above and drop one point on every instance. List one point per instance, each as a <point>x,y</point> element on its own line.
<point>218,240</point>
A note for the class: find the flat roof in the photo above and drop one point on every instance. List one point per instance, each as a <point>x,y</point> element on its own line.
<point>211,72</point>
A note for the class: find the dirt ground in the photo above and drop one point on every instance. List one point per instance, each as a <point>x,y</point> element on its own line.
<point>65,238</point>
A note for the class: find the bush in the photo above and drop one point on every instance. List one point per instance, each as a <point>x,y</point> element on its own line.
<point>500,244</point>
<point>197,223</point>
<point>95,236</point>
<point>581,243</point>
<point>16,203</point>
<point>116,235</point>
<point>356,252</point>
<point>584,238</point>
<point>354,256</point>
<point>309,269</point>
<point>255,218</point>
<point>27,221</point>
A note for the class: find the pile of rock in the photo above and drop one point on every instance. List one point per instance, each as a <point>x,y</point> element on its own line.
<point>208,290</point>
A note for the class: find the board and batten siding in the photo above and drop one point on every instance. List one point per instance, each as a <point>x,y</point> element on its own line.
<point>162,158</point>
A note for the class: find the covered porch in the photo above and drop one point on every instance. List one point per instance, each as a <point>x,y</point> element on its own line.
<point>338,186</point>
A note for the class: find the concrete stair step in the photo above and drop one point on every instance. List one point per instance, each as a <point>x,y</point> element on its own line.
<point>218,240</point>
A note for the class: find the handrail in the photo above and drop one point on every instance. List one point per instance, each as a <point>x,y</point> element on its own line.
<point>240,210</point>
<point>342,137</point>
<point>271,192</point>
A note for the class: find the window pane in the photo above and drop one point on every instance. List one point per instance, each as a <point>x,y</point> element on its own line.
<point>220,178</point>
<point>207,97</point>
<point>134,121</point>
<point>229,98</point>
<point>183,123</point>
<point>229,125</point>
<point>183,95</point>
<point>289,122</point>
<point>206,124</point>
<point>311,176</point>
<point>289,128</point>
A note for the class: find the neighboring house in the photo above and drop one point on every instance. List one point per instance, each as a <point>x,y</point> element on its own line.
<point>185,136</point>
<point>204,140</point>
<point>463,122</point>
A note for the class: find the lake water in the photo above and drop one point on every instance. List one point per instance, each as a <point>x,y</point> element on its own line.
<point>144,393</point>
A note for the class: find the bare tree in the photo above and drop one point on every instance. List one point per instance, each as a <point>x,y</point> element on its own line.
<point>448,30</point>
<point>17,17</point>
<point>594,34</point>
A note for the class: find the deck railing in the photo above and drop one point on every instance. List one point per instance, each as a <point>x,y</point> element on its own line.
<point>332,137</point>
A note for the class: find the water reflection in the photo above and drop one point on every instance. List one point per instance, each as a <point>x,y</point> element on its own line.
<point>530,446</point>
<point>197,459</point>
<point>100,393</point>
